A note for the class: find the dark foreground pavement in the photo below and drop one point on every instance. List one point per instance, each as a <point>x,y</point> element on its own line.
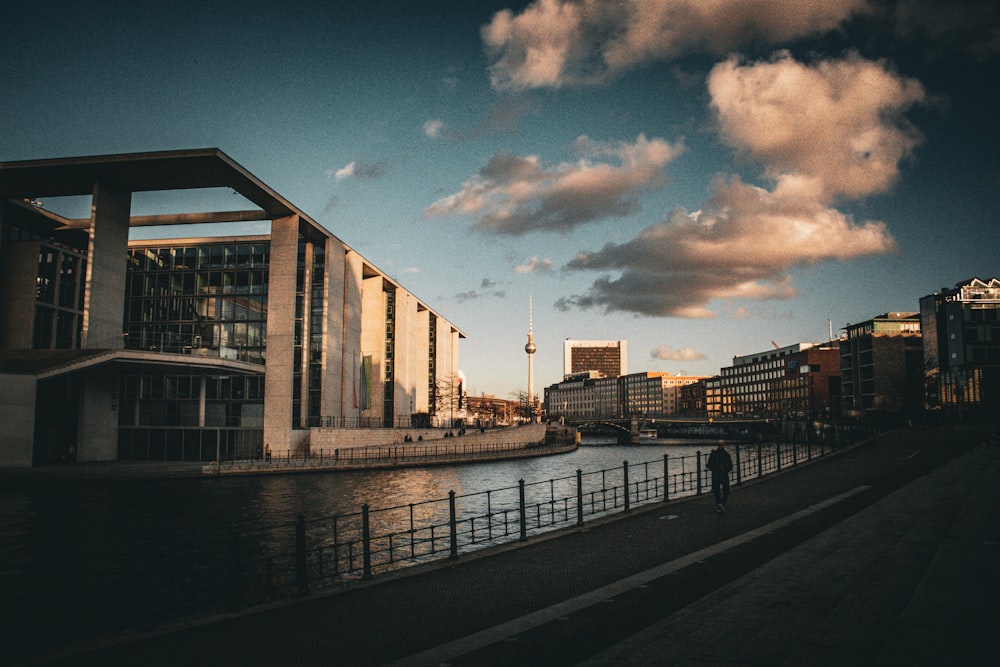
<point>887,553</point>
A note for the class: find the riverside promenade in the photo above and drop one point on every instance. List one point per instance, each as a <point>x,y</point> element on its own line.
<point>885,553</point>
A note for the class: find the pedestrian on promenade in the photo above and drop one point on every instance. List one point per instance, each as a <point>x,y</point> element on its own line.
<point>267,452</point>
<point>720,463</point>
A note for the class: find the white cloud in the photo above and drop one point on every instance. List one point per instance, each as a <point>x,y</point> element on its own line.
<point>836,126</point>
<point>515,195</point>
<point>535,265</point>
<point>433,127</point>
<point>741,245</point>
<point>553,43</point>
<point>357,169</point>
<point>668,353</point>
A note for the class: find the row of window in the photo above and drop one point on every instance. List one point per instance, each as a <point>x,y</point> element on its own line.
<point>208,256</point>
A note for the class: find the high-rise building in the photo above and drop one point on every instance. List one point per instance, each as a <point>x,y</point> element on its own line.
<point>881,367</point>
<point>608,357</point>
<point>961,340</point>
<point>193,348</point>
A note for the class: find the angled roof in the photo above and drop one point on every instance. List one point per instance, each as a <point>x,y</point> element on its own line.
<point>138,172</point>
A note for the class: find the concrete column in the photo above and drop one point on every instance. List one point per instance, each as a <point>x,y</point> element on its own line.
<point>17,414</point>
<point>404,354</point>
<point>335,370</point>
<point>201,400</point>
<point>421,333</point>
<point>18,282</point>
<point>280,332</point>
<point>373,340</point>
<point>98,425</point>
<point>105,287</point>
<point>307,277</point>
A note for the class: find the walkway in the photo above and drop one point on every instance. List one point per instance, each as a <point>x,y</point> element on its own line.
<point>884,553</point>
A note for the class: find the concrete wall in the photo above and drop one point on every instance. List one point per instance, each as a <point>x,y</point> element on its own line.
<point>373,340</point>
<point>421,356</point>
<point>330,439</point>
<point>281,332</point>
<point>105,293</point>
<point>406,370</point>
<point>18,275</point>
<point>98,425</point>
<point>17,414</point>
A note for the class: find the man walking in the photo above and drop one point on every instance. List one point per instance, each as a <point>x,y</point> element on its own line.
<point>720,463</point>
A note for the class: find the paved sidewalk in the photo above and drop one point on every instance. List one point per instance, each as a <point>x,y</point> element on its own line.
<point>883,552</point>
<point>912,580</point>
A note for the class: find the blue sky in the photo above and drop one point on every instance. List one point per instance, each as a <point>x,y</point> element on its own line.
<point>698,178</point>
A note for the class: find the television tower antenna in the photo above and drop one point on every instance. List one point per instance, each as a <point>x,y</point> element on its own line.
<point>530,348</point>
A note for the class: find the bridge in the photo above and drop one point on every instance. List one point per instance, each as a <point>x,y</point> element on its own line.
<point>629,430</point>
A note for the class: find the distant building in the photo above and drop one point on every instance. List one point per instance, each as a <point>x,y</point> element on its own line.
<point>592,396</point>
<point>608,357</point>
<point>193,348</point>
<point>881,367</point>
<point>961,340</point>
<point>798,381</point>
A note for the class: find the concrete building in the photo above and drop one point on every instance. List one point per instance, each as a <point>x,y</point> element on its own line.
<point>607,357</point>
<point>193,348</point>
<point>881,368</point>
<point>961,340</point>
<point>589,395</point>
<point>796,381</point>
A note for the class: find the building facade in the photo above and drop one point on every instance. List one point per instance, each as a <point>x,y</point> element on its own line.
<point>881,368</point>
<point>194,348</point>
<point>961,340</point>
<point>585,396</point>
<point>607,357</point>
<point>796,381</point>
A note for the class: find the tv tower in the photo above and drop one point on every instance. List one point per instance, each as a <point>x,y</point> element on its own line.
<point>530,349</point>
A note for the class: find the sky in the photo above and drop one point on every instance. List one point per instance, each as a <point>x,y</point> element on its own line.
<point>701,178</point>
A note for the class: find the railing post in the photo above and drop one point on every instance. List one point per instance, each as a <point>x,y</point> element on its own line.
<point>760,460</point>
<point>795,454</point>
<point>698,462</point>
<point>523,510</point>
<point>666,476</point>
<point>739,468</point>
<point>453,524</point>
<point>777,448</point>
<point>301,573</point>
<point>625,475</point>
<point>366,543</point>
<point>579,497</point>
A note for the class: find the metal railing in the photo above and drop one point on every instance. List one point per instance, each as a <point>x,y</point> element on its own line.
<point>159,581</point>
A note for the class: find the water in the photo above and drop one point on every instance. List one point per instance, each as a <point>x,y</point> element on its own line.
<point>65,546</point>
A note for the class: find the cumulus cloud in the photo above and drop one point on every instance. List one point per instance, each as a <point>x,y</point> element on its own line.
<point>668,353</point>
<point>359,170</point>
<point>433,127</point>
<point>535,265</point>
<point>838,124</point>
<point>514,195</point>
<point>554,43</point>
<point>741,245</point>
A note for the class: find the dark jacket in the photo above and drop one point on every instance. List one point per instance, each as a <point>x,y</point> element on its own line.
<point>719,462</point>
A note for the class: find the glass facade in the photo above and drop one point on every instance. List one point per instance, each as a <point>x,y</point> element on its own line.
<point>58,320</point>
<point>209,298</point>
<point>204,299</point>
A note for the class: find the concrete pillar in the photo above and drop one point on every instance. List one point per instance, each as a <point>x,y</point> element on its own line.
<point>98,425</point>
<point>280,332</point>
<point>105,293</point>
<point>373,340</point>
<point>18,282</point>
<point>17,414</point>
<point>405,365</point>
<point>421,333</point>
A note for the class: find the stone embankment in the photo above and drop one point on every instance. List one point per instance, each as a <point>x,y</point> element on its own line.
<point>426,447</point>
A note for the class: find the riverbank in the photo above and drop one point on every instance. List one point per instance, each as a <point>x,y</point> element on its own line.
<point>526,441</point>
